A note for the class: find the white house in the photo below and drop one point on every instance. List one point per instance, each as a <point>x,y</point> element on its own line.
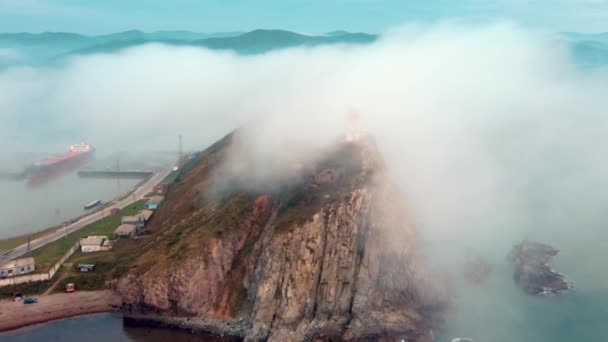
<point>92,243</point>
<point>125,230</point>
<point>16,267</point>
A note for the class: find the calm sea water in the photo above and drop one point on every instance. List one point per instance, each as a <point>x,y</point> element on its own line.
<point>28,208</point>
<point>92,328</point>
<point>32,206</point>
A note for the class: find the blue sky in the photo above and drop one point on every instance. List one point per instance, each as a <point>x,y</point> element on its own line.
<point>308,16</point>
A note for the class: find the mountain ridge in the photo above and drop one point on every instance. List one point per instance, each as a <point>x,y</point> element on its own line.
<point>48,48</point>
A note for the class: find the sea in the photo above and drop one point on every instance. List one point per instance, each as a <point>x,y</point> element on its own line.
<point>560,200</point>
<point>98,327</point>
<point>31,206</point>
<point>496,310</point>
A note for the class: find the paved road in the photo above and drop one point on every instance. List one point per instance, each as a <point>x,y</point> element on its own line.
<point>86,220</point>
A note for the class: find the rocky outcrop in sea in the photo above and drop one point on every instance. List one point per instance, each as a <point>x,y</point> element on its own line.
<point>532,271</point>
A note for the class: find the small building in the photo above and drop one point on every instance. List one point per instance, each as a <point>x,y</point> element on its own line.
<point>134,220</point>
<point>114,211</point>
<point>145,215</point>
<point>126,230</point>
<point>85,268</point>
<point>17,267</point>
<point>107,245</point>
<point>154,202</point>
<point>92,243</point>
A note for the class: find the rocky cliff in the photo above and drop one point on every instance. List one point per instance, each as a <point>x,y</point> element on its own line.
<point>327,252</point>
<point>532,272</point>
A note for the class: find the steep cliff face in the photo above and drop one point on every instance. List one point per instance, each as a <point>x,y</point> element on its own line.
<point>328,255</point>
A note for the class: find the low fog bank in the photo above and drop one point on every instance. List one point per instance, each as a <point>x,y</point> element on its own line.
<point>491,131</point>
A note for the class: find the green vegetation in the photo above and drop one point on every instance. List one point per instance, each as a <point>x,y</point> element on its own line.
<point>171,177</point>
<point>83,281</point>
<point>8,244</point>
<point>301,201</point>
<point>27,289</point>
<point>108,265</point>
<point>48,255</point>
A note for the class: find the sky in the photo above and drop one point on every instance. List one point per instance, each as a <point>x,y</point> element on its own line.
<point>306,16</point>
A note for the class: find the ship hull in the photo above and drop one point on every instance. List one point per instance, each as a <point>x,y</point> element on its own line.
<point>40,174</point>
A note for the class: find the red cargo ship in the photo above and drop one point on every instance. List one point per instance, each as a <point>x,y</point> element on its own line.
<point>74,157</point>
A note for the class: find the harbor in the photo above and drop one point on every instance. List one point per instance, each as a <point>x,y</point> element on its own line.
<point>135,195</point>
<point>34,201</point>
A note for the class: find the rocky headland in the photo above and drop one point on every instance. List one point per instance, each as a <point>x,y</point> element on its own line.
<point>326,252</point>
<point>532,271</point>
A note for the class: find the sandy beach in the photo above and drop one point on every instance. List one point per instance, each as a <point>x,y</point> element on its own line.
<point>15,315</point>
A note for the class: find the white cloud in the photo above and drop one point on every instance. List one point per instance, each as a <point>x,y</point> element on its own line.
<point>491,131</point>
<point>9,55</point>
<point>457,110</point>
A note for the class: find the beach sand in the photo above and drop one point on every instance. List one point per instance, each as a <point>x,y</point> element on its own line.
<point>15,315</point>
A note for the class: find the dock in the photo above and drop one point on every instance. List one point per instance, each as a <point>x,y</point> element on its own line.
<point>110,173</point>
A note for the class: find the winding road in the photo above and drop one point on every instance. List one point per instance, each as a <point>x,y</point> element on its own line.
<point>138,194</point>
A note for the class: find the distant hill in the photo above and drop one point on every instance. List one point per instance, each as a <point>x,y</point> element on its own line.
<point>47,48</point>
<point>50,47</point>
<point>257,41</point>
<point>589,50</point>
<point>260,41</point>
<point>46,38</point>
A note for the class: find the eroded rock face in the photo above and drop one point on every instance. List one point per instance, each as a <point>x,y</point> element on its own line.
<point>340,264</point>
<point>532,272</point>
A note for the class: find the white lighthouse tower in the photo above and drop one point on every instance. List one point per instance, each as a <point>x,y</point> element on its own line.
<point>353,132</point>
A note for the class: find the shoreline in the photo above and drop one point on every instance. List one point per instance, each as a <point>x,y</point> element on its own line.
<point>137,192</point>
<point>16,315</point>
<point>211,329</point>
<point>53,228</point>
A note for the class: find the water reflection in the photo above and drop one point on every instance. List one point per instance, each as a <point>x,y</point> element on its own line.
<point>42,178</point>
<point>99,327</point>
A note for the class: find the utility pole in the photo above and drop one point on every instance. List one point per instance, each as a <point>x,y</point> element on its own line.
<point>66,231</point>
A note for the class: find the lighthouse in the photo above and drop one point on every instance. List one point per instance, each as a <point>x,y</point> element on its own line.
<point>353,132</point>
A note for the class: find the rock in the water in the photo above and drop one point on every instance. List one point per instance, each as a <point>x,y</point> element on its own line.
<point>532,272</point>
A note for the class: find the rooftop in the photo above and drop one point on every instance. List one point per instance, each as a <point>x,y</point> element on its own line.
<point>18,263</point>
<point>145,214</point>
<point>128,219</point>
<point>92,240</point>
<point>155,200</point>
<point>125,229</point>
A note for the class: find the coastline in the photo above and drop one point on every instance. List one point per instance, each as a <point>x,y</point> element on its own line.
<point>212,330</point>
<point>53,228</point>
<point>16,315</point>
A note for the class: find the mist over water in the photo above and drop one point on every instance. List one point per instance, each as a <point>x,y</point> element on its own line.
<point>493,132</point>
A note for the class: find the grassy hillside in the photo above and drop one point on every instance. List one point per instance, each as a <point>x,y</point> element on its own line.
<point>48,255</point>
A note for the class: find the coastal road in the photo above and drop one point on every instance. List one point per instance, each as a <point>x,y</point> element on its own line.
<point>138,194</point>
